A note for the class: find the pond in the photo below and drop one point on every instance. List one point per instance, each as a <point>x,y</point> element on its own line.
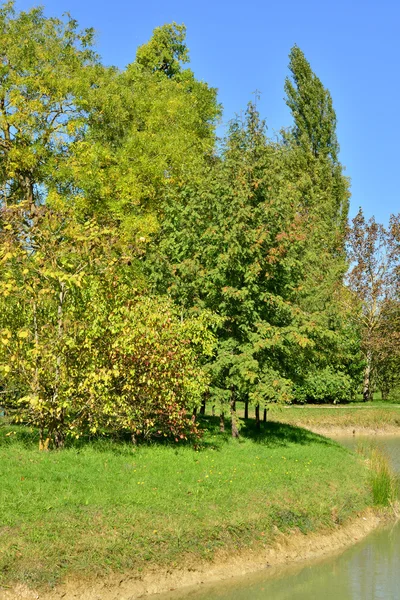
<point>368,570</point>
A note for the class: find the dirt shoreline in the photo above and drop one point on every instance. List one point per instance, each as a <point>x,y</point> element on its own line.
<point>286,550</point>
<point>355,430</point>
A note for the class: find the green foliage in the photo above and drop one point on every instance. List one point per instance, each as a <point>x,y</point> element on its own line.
<point>231,244</point>
<point>80,348</point>
<point>325,385</point>
<point>138,370</point>
<point>47,68</point>
<point>151,127</point>
<point>312,109</point>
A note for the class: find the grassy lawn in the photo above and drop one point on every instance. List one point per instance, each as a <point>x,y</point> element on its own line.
<point>106,506</point>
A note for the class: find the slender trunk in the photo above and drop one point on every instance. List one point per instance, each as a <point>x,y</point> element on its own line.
<point>235,430</point>
<point>58,423</point>
<point>59,436</point>
<point>203,407</point>
<point>367,379</point>
<point>213,410</point>
<point>258,417</point>
<point>36,339</point>
<point>194,414</point>
<point>265,415</point>
<point>246,409</point>
<point>43,444</point>
<point>29,191</point>
<point>27,186</point>
<point>385,391</point>
<point>222,422</point>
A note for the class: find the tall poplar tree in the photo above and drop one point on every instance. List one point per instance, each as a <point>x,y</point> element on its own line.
<point>317,174</point>
<point>316,169</point>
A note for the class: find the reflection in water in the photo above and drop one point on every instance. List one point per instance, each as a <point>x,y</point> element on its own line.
<point>367,571</point>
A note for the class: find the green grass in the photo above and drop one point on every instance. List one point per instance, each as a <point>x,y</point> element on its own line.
<point>105,506</point>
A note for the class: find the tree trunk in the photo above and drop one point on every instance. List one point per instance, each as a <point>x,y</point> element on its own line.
<point>56,429</point>
<point>258,417</point>
<point>246,409</point>
<point>385,391</point>
<point>235,430</point>
<point>43,443</point>
<point>265,415</point>
<point>59,437</point>
<point>222,422</point>
<point>367,379</point>
<point>194,414</point>
<point>213,410</point>
<point>203,407</point>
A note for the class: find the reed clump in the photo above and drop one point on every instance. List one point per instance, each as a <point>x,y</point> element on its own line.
<point>384,483</point>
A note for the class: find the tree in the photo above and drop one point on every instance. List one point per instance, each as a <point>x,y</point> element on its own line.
<point>231,244</point>
<point>312,109</point>
<point>316,168</point>
<point>375,260</point>
<point>46,259</point>
<point>81,349</point>
<point>387,348</point>
<point>47,67</point>
<point>151,127</point>
<point>315,171</point>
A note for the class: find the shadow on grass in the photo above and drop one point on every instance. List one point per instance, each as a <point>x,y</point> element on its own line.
<point>271,434</point>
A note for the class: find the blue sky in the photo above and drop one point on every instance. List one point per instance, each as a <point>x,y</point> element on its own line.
<point>241,47</point>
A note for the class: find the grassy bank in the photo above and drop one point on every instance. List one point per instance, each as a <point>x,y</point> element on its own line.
<point>372,416</point>
<point>106,506</point>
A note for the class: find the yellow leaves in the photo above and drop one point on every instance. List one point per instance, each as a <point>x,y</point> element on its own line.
<point>7,256</point>
<point>23,334</point>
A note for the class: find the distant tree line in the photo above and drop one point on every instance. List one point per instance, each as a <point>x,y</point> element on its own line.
<point>148,267</point>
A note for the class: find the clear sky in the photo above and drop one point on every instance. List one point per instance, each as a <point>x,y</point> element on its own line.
<point>241,47</point>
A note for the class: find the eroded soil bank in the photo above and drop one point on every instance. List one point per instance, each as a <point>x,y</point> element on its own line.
<point>355,430</point>
<point>289,548</point>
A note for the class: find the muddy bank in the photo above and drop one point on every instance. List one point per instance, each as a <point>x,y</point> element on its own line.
<point>349,430</point>
<point>287,549</point>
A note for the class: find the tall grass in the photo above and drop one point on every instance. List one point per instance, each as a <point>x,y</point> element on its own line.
<point>384,482</point>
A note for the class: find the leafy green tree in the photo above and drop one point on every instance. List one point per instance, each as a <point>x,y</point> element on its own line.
<point>312,109</point>
<point>45,256</point>
<point>152,127</point>
<point>81,349</point>
<point>231,244</point>
<point>317,174</point>
<point>375,260</point>
<point>315,171</point>
<point>47,67</point>
<point>387,349</point>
